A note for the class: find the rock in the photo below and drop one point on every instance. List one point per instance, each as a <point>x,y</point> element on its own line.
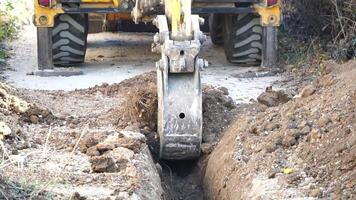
<point>132,135</point>
<point>270,147</point>
<point>307,91</point>
<point>4,130</point>
<point>130,143</point>
<point>92,151</point>
<point>273,98</point>
<point>34,119</point>
<point>292,124</point>
<point>272,173</point>
<point>224,90</point>
<point>324,121</point>
<point>289,141</point>
<point>314,136</point>
<point>316,193</point>
<point>101,164</point>
<point>90,140</point>
<point>123,196</point>
<point>102,147</point>
<point>3,93</point>
<point>77,196</point>
<point>121,154</point>
<point>131,171</point>
<point>75,121</point>
<point>146,130</point>
<point>272,126</point>
<point>253,130</point>
<point>19,105</point>
<point>207,148</point>
<point>305,130</point>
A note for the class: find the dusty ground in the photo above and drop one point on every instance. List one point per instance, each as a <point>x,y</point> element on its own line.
<point>114,57</point>
<point>88,142</point>
<point>94,136</point>
<point>303,149</point>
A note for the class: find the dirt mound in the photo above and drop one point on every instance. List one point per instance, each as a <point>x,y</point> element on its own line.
<point>138,109</point>
<point>14,112</point>
<point>304,148</point>
<point>218,111</point>
<point>122,87</point>
<point>138,112</point>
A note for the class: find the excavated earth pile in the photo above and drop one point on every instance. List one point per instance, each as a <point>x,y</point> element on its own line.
<point>92,143</point>
<point>303,149</point>
<point>102,143</point>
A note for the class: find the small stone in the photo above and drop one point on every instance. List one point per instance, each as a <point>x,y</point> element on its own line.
<point>273,98</point>
<point>4,129</point>
<point>316,193</point>
<point>272,173</point>
<point>294,133</point>
<point>272,126</point>
<point>270,147</point>
<point>77,196</point>
<point>122,154</point>
<point>19,105</point>
<point>305,130</point>
<point>307,91</point>
<point>34,119</point>
<point>253,130</point>
<point>207,148</point>
<point>292,125</point>
<point>123,196</point>
<point>102,147</point>
<point>324,121</point>
<point>100,164</point>
<point>224,90</point>
<point>146,130</point>
<point>131,171</point>
<point>46,113</point>
<point>289,141</point>
<point>314,135</point>
<point>93,151</point>
<point>75,121</point>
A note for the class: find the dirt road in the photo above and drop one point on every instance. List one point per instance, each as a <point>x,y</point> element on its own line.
<point>114,57</point>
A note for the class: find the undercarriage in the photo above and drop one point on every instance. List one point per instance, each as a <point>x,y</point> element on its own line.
<point>246,28</point>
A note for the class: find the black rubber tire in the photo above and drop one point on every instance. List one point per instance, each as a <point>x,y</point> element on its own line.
<point>69,39</point>
<point>216,28</point>
<point>243,39</point>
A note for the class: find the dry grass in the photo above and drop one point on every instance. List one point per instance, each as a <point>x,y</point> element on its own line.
<point>332,21</point>
<point>140,105</point>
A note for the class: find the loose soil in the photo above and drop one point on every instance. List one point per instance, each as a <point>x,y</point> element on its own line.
<point>99,137</point>
<point>102,142</point>
<point>303,149</point>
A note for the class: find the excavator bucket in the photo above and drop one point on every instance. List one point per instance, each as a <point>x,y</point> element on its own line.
<point>179,89</point>
<point>180,114</point>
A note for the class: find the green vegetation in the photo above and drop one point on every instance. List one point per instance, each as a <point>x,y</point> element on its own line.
<point>8,29</point>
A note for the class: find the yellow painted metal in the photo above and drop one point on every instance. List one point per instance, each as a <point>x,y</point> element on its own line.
<point>270,15</point>
<point>174,7</point>
<point>44,17</point>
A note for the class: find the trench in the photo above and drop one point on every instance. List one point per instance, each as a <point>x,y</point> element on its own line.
<point>182,180</point>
